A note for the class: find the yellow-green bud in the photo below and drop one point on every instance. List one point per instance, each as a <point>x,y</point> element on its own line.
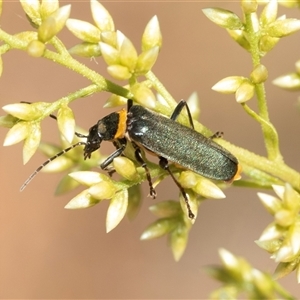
<point>178,241</point>
<point>88,178</point>
<point>84,31</point>
<point>128,55</point>
<point>17,133</point>
<point>116,210</point>
<point>126,168</point>
<point>23,111</point>
<point>109,53</point>
<point>146,60</point>
<point>267,43</point>
<point>102,17</point>
<point>188,179</point>
<point>109,37</point>
<point>271,203</point>
<point>194,105</point>
<point>249,6</point>
<point>152,35</point>
<point>269,13</point>
<point>32,10</point>
<point>228,85</point>
<point>271,232</point>
<point>86,50</point>
<point>66,122</point>
<point>102,190</point>
<point>259,74</point>
<point>54,23</point>
<point>208,189</point>
<point>284,218</point>
<point>281,28</point>
<point>240,38</point>
<point>82,200</point>
<point>245,92</point>
<point>223,18</point>
<point>48,7</point>
<point>115,100</point>
<point>166,209</point>
<point>36,48</point>
<point>159,228</point>
<point>8,121</point>
<point>119,72</point>
<point>32,142</point>
<point>144,95</point>
<point>289,82</point>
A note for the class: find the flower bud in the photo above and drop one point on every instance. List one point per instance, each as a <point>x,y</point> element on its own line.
<point>223,18</point>
<point>109,37</point>
<point>144,96</point>
<point>8,121</point>
<point>102,17</point>
<point>289,81</point>
<point>245,92</point>
<point>17,133</point>
<point>88,178</point>
<point>23,111</point>
<point>32,10</point>
<point>110,54</point>
<point>188,179</point>
<point>152,35</point>
<point>271,232</point>
<point>54,23</point>
<point>86,50</point>
<point>269,13</point>
<point>271,203</point>
<point>102,190</point>
<point>159,228</point>
<point>281,28</point>
<point>32,142</point>
<point>116,210</point>
<point>249,6</point>
<point>126,168</point>
<point>267,43</point>
<point>146,60</point>
<point>36,48</point>
<point>128,55</point>
<point>66,122</point>
<point>259,74</point>
<point>178,241</point>
<point>284,217</point>
<point>115,100</point>
<point>48,7</point>
<point>119,72</point>
<point>166,209</point>
<point>228,85</point>
<point>82,200</point>
<point>240,38</point>
<point>208,189</point>
<point>84,31</point>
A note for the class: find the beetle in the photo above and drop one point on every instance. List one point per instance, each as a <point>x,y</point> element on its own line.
<point>161,136</point>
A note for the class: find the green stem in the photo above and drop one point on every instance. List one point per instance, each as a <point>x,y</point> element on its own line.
<point>271,144</point>
<point>69,62</point>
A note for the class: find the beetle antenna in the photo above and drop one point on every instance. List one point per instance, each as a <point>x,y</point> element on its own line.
<point>49,160</point>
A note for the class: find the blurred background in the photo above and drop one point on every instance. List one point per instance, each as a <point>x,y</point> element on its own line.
<point>49,252</point>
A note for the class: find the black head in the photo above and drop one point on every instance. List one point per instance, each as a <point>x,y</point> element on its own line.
<point>93,142</point>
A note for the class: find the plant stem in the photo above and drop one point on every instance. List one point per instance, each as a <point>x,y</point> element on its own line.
<point>270,139</point>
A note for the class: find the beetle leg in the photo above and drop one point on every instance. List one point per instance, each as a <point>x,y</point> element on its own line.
<point>178,110</point>
<point>109,160</point>
<point>139,158</point>
<point>164,164</point>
